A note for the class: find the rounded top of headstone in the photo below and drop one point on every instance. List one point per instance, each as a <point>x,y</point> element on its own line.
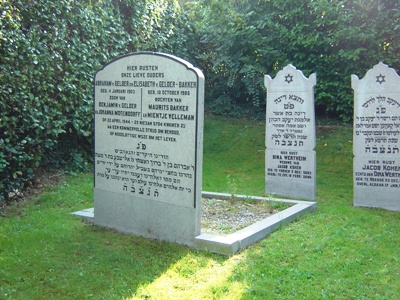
<point>290,79</point>
<point>153,56</point>
<point>380,78</point>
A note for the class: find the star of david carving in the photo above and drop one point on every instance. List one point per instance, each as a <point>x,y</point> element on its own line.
<point>289,78</point>
<point>380,79</point>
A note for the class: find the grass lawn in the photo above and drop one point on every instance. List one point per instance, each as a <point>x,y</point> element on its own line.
<point>338,252</point>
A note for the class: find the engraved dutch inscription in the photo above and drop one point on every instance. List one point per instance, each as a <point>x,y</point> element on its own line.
<point>148,139</point>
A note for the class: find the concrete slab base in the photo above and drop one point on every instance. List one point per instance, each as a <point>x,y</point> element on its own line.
<point>87,215</point>
<point>239,240</point>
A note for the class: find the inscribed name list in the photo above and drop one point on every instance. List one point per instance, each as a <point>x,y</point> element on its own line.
<point>146,128</point>
<point>290,164</point>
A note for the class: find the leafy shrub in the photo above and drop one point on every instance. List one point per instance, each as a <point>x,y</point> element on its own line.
<point>49,52</point>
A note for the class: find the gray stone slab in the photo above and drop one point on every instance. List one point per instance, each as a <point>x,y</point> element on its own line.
<point>376,134</point>
<point>149,146</point>
<point>290,127</point>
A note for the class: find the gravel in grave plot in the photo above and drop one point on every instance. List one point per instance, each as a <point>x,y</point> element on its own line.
<point>223,217</point>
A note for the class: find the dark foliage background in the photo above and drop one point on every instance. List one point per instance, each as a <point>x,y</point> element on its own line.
<point>240,41</point>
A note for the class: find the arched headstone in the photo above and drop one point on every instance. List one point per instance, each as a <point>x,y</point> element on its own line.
<point>376,137</point>
<point>290,135</point>
<point>149,146</point>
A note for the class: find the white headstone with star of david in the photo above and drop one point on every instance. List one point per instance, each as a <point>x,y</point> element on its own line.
<point>290,134</point>
<point>376,134</point>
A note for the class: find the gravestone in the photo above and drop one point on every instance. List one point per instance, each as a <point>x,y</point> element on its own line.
<point>290,159</point>
<point>149,146</point>
<point>376,134</point>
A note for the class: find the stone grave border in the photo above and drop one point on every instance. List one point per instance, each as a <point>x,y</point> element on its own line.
<point>241,239</point>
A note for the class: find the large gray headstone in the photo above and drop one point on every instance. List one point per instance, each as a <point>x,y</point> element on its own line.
<point>376,138</point>
<point>290,158</point>
<point>149,146</point>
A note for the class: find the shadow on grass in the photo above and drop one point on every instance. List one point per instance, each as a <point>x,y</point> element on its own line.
<point>73,260</point>
<point>47,253</point>
<point>140,268</point>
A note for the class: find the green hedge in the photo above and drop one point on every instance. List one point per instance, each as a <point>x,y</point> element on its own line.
<point>49,53</point>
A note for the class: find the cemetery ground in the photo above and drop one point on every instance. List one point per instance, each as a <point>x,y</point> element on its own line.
<point>337,252</point>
